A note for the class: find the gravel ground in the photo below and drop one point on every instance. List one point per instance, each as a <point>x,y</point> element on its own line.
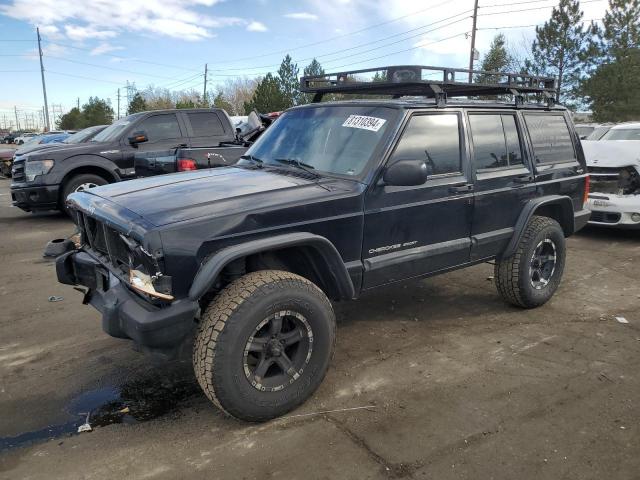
<point>456,384</point>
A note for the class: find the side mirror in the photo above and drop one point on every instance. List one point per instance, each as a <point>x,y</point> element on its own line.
<point>406,173</point>
<point>138,137</point>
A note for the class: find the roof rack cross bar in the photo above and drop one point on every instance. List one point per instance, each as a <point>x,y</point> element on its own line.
<point>439,94</point>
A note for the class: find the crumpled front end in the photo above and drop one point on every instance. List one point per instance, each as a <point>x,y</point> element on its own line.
<point>615,196</point>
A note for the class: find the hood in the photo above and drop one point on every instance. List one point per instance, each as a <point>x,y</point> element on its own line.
<point>612,153</point>
<point>65,150</point>
<point>38,147</point>
<point>166,199</point>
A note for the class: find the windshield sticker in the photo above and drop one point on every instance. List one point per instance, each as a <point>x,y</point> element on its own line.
<point>365,123</point>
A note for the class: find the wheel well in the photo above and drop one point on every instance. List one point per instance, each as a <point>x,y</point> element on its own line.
<point>559,213</point>
<point>302,260</point>
<point>101,172</point>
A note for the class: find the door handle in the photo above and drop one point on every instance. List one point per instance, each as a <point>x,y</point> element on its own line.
<point>523,179</point>
<point>462,188</point>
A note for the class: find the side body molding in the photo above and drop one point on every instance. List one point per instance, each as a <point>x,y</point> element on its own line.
<point>212,267</point>
<point>566,219</point>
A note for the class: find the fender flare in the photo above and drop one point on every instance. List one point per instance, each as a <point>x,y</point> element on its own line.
<point>212,267</point>
<point>566,205</point>
<point>89,161</point>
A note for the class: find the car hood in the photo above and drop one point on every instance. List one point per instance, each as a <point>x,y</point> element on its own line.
<point>612,153</point>
<point>167,199</point>
<point>65,150</point>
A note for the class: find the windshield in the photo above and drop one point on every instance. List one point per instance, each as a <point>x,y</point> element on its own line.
<point>32,140</point>
<point>598,133</point>
<point>83,135</point>
<point>332,139</point>
<point>114,130</point>
<point>622,134</point>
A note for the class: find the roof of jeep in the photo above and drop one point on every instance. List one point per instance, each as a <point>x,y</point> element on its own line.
<point>421,102</point>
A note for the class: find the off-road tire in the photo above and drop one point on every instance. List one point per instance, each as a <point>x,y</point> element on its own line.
<point>72,184</point>
<point>512,274</point>
<point>231,319</point>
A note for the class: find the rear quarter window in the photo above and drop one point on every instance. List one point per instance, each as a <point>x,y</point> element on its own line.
<point>550,137</point>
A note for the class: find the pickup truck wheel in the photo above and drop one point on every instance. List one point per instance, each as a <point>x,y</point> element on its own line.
<point>79,183</point>
<point>264,344</point>
<point>530,277</point>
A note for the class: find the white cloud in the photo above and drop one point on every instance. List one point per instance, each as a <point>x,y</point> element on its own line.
<point>302,16</point>
<point>105,47</point>
<point>102,19</point>
<point>257,27</point>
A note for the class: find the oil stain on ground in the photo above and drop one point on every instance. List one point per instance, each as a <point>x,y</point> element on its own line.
<point>138,400</point>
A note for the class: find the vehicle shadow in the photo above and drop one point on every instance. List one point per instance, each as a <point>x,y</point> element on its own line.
<point>609,234</point>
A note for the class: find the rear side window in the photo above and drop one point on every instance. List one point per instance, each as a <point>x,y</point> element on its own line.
<point>434,138</point>
<point>161,127</point>
<point>496,143</point>
<point>205,124</point>
<point>550,138</point>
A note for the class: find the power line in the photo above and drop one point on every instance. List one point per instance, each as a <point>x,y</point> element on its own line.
<point>532,25</point>
<point>530,9</point>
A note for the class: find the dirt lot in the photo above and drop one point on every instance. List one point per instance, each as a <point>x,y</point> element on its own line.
<point>457,384</point>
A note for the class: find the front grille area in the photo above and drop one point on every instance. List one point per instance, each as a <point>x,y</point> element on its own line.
<point>17,172</point>
<point>605,179</point>
<point>605,217</point>
<point>104,240</point>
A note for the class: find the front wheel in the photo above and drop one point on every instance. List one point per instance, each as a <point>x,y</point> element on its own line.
<point>79,183</point>
<point>530,277</point>
<point>264,344</point>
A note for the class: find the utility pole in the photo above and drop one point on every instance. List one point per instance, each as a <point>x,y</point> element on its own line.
<point>473,40</point>
<point>17,123</point>
<point>44,88</point>
<point>118,117</point>
<point>204,93</point>
<point>78,103</point>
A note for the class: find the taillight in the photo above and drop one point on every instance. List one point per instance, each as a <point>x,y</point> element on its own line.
<point>186,164</point>
<point>587,187</point>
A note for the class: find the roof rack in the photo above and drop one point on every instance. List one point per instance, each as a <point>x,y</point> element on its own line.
<point>431,82</point>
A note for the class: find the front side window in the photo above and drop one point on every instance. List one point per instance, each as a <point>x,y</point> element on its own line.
<point>434,138</point>
<point>496,143</point>
<point>160,127</point>
<point>331,139</point>
<point>550,138</point>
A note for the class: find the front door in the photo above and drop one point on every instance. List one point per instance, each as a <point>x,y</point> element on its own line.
<point>413,231</point>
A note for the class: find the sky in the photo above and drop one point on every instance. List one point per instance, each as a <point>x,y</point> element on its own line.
<point>94,47</point>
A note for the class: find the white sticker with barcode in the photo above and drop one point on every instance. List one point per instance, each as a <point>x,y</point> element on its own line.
<point>366,123</point>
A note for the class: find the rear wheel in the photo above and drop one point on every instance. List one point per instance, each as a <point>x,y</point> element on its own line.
<point>530,277</point>
<point>79,183</point>
<point>264,344</point>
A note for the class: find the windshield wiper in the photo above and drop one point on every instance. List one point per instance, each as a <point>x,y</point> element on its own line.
<point>294,162</point>
<point>255,160</point>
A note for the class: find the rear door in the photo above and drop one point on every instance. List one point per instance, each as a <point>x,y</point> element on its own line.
<point>412,231</point>
<point>504,179</point>
<point>208,129</point>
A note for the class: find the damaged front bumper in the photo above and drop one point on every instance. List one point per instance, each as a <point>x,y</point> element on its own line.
<point>611,210</point>
<point>124,313</point>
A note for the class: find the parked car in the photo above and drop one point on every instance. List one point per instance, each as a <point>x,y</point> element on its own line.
<point>225,152</point>
<point>44,179</point>
<point>9,138</point>
<point>5,162</point>
<point>585,129</point>
<point>23,138</point>
<point>614,166</point>
<point>239,263</point>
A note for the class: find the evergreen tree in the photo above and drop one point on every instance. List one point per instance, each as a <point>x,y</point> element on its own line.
<point>289,82</point>
<point>314,68</point>
<point>72,120</point>
<point>137,104</point>
<point>613,90</point>
<point>268,97</point>
<point>96,112</point>
<point>560,48</point>
<point>497,59</point>
<point>220,101</point>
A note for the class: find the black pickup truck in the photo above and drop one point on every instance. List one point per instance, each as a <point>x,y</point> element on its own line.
<point>240,264</point>
<point>220,154</point>
<point>42,180</point>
